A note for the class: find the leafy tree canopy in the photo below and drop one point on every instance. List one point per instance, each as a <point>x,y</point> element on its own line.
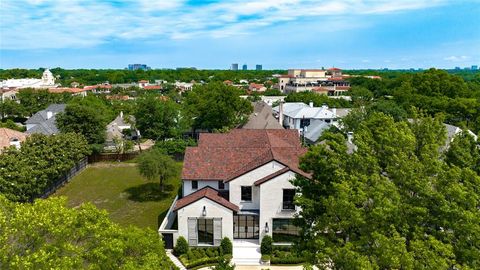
<point>158,119</point>
<point>394,203</point>
<point>49,235</point>
<point>26,173</point>
<point>216,106</point>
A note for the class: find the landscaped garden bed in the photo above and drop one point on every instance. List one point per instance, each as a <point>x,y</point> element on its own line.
<point>197,257</point>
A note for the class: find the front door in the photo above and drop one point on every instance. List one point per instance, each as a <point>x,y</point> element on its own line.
<point>245,227</point>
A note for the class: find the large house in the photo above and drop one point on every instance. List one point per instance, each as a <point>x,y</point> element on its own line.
<point>47,81</point>
<point>330,82</point>
<point>309,120</point>
<point>44,121</point>
<point>237,185</point>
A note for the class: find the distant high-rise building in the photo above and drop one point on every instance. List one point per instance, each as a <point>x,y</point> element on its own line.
<point>258,67</point>
<point>138,66</point>
<point>474,67</point>
<point>244,67</point>
<point>234,66</point>
<point>457,68</point>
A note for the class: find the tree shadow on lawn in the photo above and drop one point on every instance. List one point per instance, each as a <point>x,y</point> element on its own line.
<point>148,192</point>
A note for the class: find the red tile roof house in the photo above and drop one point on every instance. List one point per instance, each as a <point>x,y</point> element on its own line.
<point>237,185</point>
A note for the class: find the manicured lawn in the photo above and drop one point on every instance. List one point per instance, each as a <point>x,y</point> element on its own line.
<point>119,189</point>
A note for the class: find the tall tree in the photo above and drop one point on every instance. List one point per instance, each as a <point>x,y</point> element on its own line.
<point>154,164</point>
<point>49,235</point>
<point>158,119</point>
<point>392,204</point>
<point>216,106</point>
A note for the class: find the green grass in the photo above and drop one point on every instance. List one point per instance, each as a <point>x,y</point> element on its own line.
<point>118,188</point>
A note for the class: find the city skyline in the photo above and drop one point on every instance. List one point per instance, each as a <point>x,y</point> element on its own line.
<point>278,34</point>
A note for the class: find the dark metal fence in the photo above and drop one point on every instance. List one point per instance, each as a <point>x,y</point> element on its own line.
<point>80,166</point>
<point>112,157</point>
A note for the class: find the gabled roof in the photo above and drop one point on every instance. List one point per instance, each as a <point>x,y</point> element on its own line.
<point>301,110</point>
<point>262,118</point>
<point>206,192</point>
<point>224,157</point>
<point>41,116</point>
<point>8,135</point>
<point>271,176</point>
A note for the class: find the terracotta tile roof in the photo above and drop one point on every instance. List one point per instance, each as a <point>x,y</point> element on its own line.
<point>206,192</point>
<point>143,81</point>
<point>229,155</point>
<point>271,176</point>
<point>342,87</point>
<point>66,90</point>
<point>334,69</point>
<point>152,87</point>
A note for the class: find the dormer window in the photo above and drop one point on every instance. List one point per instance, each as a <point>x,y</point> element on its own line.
<point>194,184</point>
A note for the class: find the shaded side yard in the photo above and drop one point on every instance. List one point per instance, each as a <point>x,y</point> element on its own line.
<point>118,188</point>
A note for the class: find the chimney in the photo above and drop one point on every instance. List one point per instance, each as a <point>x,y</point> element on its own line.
<point>280,113</point>
<point>310,104</point>
<point>49,114</point>
<point>350,137</point>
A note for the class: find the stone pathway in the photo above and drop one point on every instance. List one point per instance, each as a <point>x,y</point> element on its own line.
<point>175,260</point>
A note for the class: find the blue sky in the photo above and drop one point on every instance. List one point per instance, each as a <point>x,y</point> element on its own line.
<point>213,34</point>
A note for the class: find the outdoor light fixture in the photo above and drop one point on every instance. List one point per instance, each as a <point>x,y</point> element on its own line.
<point>204,212</point>
<point>266,227</point>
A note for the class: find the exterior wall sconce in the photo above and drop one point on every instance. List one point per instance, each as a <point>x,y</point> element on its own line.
<point>204,211</point>
<point>266,227</point>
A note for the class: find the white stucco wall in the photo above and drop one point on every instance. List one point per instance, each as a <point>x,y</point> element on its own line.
<point>249,179</point>
<point>214,210</point>
<point>187,186</point>
<point>271,201</point>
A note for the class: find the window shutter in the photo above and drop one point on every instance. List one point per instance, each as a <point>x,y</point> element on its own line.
<point>217,231</point>
<point>192,232</point>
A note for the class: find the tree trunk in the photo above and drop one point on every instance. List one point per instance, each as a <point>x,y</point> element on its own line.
<point>162,187</point>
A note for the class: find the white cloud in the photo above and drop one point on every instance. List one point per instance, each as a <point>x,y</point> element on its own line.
<point>36,24</point>
<point>454,58</point>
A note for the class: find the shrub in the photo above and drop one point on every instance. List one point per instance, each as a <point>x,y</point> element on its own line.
<point>181,247</point>
<point>266,245</point>
<point>287,260</point>
<point>226,246</point>
<point>265,258</point>
<point>224,264</point>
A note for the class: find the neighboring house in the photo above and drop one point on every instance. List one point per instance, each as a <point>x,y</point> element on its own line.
<point>8,94</point>
<point>115,129</point>
<point>262,118</point>
<point>44,121</point>
<point>255,87</point>
<point>237,185</point>
<point>309,120</point>
<point>300,80</point>
<point>74,91</point>
<point>47,81</point>
<point>452,131</point>
<point>10,137</point>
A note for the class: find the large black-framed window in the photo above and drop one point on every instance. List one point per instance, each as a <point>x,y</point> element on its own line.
<point>221,185</point>
<point>246,193</point>
<point>246,227</point>
<point>194,184</point>
<point>205,231</point>
<point>284,231</point>
<point>288,195</point>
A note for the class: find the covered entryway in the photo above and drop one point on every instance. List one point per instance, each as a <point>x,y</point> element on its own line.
<point>246,226</point>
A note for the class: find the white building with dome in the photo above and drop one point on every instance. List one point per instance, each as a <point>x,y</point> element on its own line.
<point>47,81</point>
